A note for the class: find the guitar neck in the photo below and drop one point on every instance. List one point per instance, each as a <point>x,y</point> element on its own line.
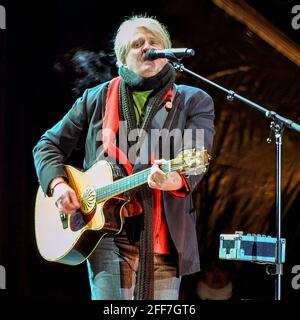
<point>127,183</point>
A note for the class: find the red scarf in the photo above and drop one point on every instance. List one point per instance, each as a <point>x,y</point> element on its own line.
<point>110,129</point>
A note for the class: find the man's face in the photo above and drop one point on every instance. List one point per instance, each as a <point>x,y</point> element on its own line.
<point>142,41</point>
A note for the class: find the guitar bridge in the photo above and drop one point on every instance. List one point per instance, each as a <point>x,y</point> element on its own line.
<point>64,220</point>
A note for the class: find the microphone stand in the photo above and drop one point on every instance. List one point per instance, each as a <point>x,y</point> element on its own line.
<point>278,123</point>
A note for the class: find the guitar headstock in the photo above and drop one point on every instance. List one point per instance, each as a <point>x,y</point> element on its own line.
<point>191,162</point>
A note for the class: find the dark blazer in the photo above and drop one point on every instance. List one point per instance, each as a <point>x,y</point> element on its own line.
<point>80,128</point>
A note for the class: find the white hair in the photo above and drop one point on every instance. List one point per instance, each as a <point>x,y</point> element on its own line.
<point>127,29</point>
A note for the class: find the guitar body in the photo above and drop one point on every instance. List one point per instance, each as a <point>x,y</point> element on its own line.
<point>70,239</point>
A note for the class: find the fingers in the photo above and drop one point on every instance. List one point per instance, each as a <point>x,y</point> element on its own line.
<point>74,200</point>
<point>163,181</point>
<point>67,202</point>
<point>151,182</point>
<point>160,162</point>
<point>65,205</point>
<point>157,176</point>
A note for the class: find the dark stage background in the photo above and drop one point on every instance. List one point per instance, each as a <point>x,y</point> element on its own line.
<point>37,77</point>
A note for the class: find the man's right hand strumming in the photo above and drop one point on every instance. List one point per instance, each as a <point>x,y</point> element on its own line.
<point>65,197</point>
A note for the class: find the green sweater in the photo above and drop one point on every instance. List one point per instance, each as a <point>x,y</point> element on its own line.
<point>140,98</point>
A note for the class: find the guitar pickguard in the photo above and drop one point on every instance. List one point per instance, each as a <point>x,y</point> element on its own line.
<point>77,221</point>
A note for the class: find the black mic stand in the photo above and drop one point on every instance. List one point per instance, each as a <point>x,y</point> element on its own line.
<point>277,125</point>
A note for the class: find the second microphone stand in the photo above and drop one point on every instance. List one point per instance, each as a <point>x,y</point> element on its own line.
<point>278,123</point>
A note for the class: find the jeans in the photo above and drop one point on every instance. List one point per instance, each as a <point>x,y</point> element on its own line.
<point>113,269</point>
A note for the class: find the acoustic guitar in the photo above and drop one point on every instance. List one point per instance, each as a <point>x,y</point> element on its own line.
<point>70,239</point>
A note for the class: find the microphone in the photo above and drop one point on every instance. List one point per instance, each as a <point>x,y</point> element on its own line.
<point>178,53</point>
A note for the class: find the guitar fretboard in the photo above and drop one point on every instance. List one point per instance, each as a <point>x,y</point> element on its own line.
<point>127,183</point>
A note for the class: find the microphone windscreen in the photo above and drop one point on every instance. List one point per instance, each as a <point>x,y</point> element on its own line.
<point>149,55</point>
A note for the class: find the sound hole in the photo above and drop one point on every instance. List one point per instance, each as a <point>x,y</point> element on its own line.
<point>88,200</point>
